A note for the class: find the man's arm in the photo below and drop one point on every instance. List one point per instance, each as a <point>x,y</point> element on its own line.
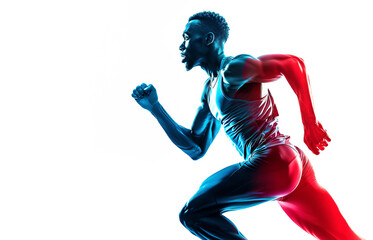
<point>269,68</point>
<point>195,141</point>
<point>294,70</point>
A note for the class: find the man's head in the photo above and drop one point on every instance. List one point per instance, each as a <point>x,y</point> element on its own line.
<point>204,35</point>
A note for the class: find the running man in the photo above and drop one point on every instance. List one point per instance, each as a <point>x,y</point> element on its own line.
<point>235,97</point>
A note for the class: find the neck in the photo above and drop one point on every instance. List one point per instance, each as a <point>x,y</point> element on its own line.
<point>213,63</point>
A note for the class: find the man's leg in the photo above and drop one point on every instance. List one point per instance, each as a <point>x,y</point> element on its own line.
<point>313,209</point>
<point>240,186</point>
<point>203,217</point>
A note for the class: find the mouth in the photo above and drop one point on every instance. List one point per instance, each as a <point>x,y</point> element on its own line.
<point>183,57</point>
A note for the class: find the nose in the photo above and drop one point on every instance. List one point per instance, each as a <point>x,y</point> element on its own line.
<point>182,46</point>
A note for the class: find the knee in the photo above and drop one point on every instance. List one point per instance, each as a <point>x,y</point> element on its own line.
<point>187,217</point>
<point>183,215</point>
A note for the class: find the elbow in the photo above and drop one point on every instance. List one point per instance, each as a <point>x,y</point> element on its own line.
<point>196,155</point>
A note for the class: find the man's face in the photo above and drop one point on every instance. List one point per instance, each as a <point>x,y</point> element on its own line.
<point>193,50</point>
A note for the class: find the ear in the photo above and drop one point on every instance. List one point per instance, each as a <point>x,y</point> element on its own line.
<point>210,38</point>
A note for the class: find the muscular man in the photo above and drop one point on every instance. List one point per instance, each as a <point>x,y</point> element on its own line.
<point>235,97</point>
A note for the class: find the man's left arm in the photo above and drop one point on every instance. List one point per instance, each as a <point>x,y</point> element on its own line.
<point>294,70</point>
<point>268,68</point>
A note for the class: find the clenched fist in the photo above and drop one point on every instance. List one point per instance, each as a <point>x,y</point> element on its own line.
<point>315,137</point>
<point>145,96</point>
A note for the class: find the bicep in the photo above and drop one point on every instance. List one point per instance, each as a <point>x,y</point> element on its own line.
<point>205,127</point>
<point>276,65</point>
<point>204,123</point>
<point>204,120</point>
<point>271,67</point>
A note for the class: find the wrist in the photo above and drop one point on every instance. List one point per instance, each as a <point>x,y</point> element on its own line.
<point>308,115</point>
<point>155,108</point>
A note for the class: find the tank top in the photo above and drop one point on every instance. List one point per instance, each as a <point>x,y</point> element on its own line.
<point>248,124</point>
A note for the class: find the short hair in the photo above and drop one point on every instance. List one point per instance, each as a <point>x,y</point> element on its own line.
<point>215,21</point>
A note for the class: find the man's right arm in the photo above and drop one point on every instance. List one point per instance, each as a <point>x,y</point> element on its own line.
<point>195,141</point>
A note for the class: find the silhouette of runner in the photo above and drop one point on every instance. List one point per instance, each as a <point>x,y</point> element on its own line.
<point>235,97</point>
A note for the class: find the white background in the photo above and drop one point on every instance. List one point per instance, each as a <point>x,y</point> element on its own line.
<point>79,159</point>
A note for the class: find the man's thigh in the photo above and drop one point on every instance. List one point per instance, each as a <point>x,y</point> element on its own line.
<point>231,188</point>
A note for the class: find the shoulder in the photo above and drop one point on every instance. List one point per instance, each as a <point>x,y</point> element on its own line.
<point>240,60</point>
<point>241,69</point>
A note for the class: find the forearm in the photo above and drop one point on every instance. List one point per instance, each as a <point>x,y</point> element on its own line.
<point>295,73</point>
<point>180,136</point>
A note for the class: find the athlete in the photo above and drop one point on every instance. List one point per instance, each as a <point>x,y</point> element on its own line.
<point>235,97</point>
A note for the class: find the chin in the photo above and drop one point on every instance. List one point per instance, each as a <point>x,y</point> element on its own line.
<point>188,66</point>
